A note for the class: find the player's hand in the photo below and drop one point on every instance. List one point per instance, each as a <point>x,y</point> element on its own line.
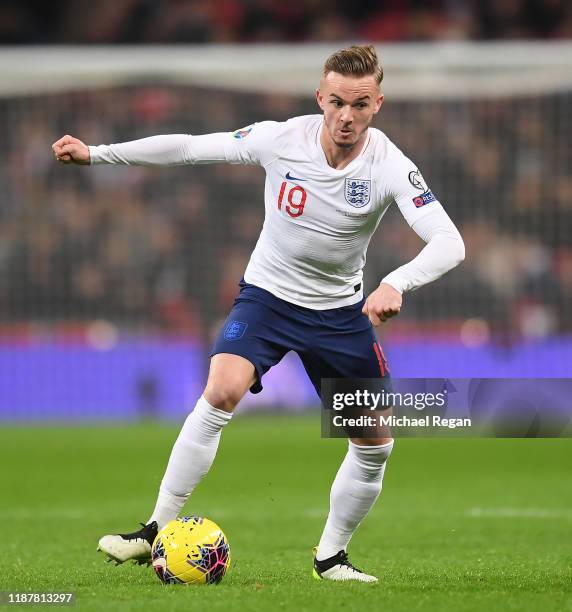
<point>384,303</point>
<point>70,150</point>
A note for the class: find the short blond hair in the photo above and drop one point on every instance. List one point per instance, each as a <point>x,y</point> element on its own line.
<point>357,61</point>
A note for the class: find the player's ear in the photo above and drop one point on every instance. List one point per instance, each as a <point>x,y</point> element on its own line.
<point>378,103</point>
<point>320,99</point>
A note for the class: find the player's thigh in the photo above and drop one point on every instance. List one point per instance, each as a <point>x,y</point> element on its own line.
<point>230,377</point>
<point>350,350</point>
<point>353,355</point>
<point>254,331</point>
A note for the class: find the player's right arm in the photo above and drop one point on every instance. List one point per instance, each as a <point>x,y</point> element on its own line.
<point>251,145</point>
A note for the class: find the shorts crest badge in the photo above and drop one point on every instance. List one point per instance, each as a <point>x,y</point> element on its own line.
<point>234,330</point>
<point>357,192</point>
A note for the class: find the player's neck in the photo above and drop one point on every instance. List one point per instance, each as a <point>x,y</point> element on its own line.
<point>340,157</point>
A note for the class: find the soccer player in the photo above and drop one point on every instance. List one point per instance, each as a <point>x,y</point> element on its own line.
<point>329,180</point>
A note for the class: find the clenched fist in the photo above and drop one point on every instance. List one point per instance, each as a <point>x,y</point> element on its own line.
<point>70,150</point>
<point>383,303</point>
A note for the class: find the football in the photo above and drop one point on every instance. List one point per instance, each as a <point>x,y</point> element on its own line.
<point>191,550</point>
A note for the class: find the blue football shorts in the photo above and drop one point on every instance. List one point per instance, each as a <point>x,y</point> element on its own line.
<point>335,343</point>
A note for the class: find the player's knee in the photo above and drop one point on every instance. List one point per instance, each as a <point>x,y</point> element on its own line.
<point>224,395</point>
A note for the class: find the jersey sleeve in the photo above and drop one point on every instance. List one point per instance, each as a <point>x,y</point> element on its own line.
<point>444,248</point>
<point>409,189</point>
<point>254,144</point>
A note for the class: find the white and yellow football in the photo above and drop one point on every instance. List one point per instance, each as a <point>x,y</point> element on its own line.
<point>190,550</point>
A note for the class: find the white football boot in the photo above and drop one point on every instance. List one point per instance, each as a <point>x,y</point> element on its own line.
<point>340,569</point>
<point>134,546</point>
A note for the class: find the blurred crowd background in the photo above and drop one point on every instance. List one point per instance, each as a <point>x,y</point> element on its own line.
<point>114,280</point>
<point>163,249</point>
<point>243,21</point>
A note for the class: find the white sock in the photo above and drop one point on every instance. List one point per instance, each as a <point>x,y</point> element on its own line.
<point>356,487</point>
<point>191,458</point>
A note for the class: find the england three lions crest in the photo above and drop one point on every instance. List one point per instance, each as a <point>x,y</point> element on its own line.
<point>357,192</point>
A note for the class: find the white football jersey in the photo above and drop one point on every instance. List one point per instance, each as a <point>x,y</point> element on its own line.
<point>319,220</point>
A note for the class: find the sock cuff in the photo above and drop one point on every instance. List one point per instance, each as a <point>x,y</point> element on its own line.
<point>210,413</point>
<point>366,452</point>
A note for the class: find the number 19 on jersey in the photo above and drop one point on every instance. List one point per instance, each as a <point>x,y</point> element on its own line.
<point>296,199</point>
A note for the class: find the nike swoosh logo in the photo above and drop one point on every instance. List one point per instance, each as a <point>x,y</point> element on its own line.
<point>293,178</point>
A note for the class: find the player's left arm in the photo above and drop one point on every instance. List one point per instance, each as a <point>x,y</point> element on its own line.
<point>444,249</point>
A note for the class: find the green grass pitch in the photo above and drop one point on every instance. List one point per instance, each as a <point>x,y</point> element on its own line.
<point>461,524</point>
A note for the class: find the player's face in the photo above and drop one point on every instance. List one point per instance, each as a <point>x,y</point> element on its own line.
<point>349,105</point>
